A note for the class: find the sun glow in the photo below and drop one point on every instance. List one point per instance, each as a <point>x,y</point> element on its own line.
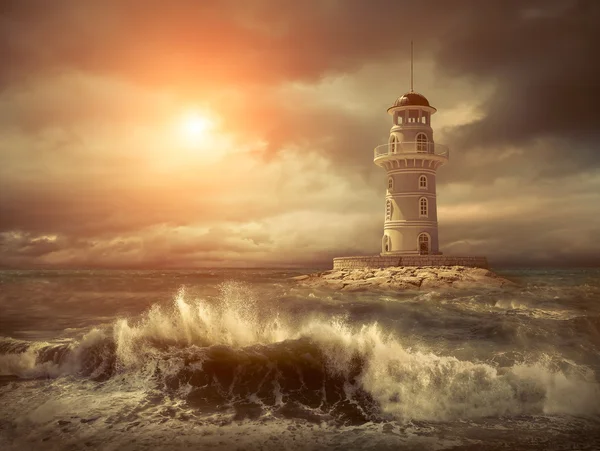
<point>195,128</point>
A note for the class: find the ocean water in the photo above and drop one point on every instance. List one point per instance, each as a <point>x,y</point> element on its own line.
<point>248,359</point>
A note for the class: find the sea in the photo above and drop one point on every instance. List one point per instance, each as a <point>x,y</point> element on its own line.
<point>249,359</point>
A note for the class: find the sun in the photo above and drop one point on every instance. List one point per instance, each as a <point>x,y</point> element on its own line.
<point>195,127</point>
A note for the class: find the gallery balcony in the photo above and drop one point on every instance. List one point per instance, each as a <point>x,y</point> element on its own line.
<point>411,150</point>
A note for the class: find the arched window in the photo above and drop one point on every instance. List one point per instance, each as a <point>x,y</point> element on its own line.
<point>388,210</point>
<point>423,243</point>
<point>422,142</point>
<point>423,182</point>
<point>390,184</point>
<point>423,206</point>
<point>392,148</point>
<point>386,245</point>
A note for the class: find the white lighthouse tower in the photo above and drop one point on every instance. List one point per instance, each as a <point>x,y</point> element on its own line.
<point>411,159</point>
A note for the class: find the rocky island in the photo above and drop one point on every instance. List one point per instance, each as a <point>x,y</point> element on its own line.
<point>404,278</point>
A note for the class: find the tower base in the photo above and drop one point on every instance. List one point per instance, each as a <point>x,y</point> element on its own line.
<point>406,254</point>
<point>377,261</point>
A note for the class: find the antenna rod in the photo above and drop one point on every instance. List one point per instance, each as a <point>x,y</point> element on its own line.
<point>411,66</point>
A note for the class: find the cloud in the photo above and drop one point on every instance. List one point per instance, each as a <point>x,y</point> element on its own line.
<point>540,56</point>
<point>91,172</point>
<point>189,42</point>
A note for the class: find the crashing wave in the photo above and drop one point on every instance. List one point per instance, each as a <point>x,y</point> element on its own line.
<point>234,353</point>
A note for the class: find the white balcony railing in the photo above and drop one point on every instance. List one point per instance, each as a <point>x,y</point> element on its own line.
<point>412,147</point>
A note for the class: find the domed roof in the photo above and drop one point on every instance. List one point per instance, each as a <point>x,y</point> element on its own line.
<point>411,98</point>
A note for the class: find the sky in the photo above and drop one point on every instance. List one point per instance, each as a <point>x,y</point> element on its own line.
<point>103,165</point>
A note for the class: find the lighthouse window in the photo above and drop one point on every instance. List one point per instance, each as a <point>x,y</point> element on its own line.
<point>390,184</point>
<point>392,148</point>
<point>388,210</point>
<point>423,206</point>
<point>421,142</point>
<point>423,182</point>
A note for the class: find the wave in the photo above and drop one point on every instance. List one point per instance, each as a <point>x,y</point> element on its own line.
<point>236,353</point>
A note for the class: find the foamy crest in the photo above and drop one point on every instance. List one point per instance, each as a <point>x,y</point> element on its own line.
<point>508,304</point>
<point>19,364</point>
<point>414,385</point>
<point>40,359</point>
<point>405,384</point>
<point>233,321</point>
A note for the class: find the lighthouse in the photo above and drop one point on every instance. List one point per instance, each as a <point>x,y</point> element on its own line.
<point>411,159</point>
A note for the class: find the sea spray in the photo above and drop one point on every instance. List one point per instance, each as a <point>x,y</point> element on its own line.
<point>233,321</point>
<point>229,352</point>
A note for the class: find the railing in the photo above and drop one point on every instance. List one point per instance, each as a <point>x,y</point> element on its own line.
<point>412,147</point>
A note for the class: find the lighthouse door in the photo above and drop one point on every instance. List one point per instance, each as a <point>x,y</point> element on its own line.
<point>423,243</point>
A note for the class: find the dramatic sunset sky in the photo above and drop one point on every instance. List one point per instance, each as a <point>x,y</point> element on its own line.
<point>229,133</point>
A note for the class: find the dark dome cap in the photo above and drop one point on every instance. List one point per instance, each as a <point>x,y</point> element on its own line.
<point>412,98</point>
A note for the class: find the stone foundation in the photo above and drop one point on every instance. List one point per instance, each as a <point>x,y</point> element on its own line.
<point>377,261</point>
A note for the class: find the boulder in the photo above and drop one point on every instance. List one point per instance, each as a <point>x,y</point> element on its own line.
<point>404,278</point>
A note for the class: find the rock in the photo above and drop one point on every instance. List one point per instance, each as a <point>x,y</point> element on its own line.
<point>411,280</point>
<point>357,275</point>
<point>448,276</point>
<point>404,278</point>
<point>89,420</point>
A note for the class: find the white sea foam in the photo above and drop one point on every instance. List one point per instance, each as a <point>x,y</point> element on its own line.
<point>18,364</point>
<point>43,359</point>
<point>233,322</point>
<point>406,384</point>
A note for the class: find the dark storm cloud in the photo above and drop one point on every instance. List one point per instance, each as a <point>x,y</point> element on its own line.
<point>29,246</point>
<point>337,134</point>
<point>542,56</point>
<point>538,56</point>
<point>101,208</point>
<point>187,41</point>
<point>530,242</point>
